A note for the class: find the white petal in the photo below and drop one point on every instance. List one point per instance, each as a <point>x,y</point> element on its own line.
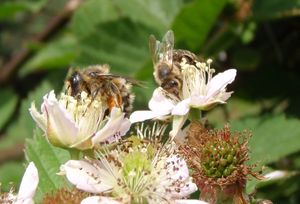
<point>112,127</point>
<point>182,108</point>
<point>160,104</point>
<point>220,81</point>
<point>182,174</point>
<point>27,201</point>
<point>177,162</point>
<point>139,116</point>
<point>205,103</point>
<point>224,96</point>
<point>28,185</point>
<point>178,122</point>
<point>99,200</point>
<point>274,175</point>
<point>186,190</point>
<point>60,125</point>
<point>181,135</point>
<point>85,176</point>
<point>123,129</point>
<point>198,101</point>
<point>125,126</point>
<point>187,201</point>
<point>50,96</point>
<point>40,119</point>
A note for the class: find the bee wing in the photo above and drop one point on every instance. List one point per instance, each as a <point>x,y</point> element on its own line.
<point>162,51</point>
<point>127,79</point>
<point>167,46</point>
<point>154,48</point>
<point>134,81</point>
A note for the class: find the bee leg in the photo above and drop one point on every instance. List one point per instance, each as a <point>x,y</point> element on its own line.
<point>93,95</point>
<point>113,102</point>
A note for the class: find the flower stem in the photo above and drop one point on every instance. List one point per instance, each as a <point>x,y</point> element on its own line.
<point>74,154</point>
<point>195,114</point>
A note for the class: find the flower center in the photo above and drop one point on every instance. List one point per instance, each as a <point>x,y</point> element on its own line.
<point>87,113</point>
<point>136,163</point>
<point>196,78</point>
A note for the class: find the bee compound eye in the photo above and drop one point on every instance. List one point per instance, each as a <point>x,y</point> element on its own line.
<point>170,83</point>
<point>164,71</point>
<point>173,83</point>
<point>93,74</point>
<point>75,78</point>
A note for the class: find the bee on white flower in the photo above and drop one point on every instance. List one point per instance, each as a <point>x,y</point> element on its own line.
<point>200,90</point>
<point>80,124</point>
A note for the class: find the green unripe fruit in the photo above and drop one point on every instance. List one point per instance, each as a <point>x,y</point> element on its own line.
<point>219,158</point>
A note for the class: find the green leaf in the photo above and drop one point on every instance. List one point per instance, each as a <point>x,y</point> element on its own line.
<point>235,108</point>
<point>11,173</point>
<point>47,160</point>
<point>56,54</point>
<point>121,44</point>
<point>221,40</point>
<point>274,137</point>
<point>255,183</point>
<point>10,9</point>
<point>269,9</point>
<point>195,20</point>
<point>35,6</point>
<point>24,125</point>
<point>153,13</point>
<point>90,14</point>
<point>7,105</point>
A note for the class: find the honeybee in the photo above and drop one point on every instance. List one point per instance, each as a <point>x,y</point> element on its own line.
<point>166,61</point>
<point>98,83</point>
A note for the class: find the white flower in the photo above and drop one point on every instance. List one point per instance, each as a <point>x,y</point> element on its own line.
<point>71,123</point>
<point>200,89</point>
<point>134,174</point>
<point>28,185</point>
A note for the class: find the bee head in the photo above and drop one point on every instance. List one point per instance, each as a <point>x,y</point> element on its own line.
<point>75,80</point>
<point>172,85</point>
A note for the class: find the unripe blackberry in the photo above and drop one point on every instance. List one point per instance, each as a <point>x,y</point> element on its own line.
<point>217,159</point>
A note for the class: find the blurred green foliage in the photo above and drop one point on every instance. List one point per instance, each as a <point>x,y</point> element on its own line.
<point>48,163</point>
<point>259,38</point>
